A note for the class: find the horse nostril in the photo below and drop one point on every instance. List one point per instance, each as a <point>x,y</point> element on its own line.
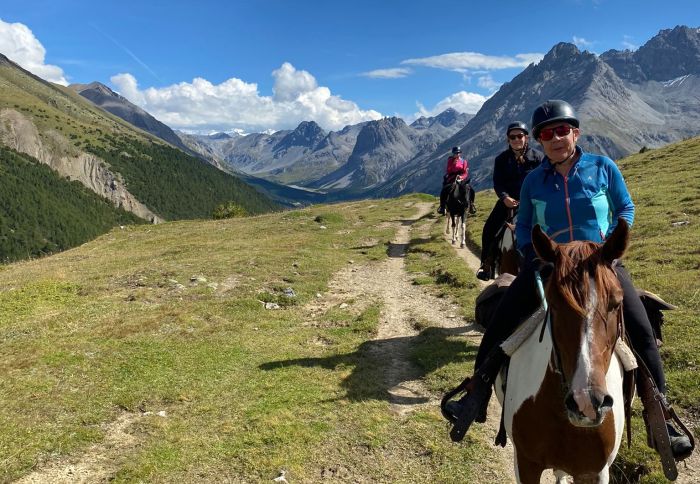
<point>570,403</point>
<point>606,404</point>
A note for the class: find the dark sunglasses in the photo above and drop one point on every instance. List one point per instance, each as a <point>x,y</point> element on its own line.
<point>561,131</point>
<point>513,137</point>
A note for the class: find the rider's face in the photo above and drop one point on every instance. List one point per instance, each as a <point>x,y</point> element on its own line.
<point>517,139</point>
<point>559,147</point>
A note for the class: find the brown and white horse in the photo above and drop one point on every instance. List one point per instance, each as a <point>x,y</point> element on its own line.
<point>563,403</point>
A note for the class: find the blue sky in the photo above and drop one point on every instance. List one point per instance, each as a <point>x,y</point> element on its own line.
<point>270,64</point>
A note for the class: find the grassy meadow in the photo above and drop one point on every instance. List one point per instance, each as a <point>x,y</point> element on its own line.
<point>170,318</point>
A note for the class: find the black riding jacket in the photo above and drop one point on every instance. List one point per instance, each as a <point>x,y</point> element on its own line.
<point>508,174</point>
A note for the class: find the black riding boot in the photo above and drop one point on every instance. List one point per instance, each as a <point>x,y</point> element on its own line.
<point>484,272</point>
<point>472,406</point>
<point>443,199</point>
<point>681,446</point>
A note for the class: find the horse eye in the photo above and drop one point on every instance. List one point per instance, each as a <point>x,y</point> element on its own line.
<point>614,302</point>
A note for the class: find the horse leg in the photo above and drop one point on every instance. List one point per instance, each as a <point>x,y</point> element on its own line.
<point>455,228</point>
<point>447,222</point>
<point>561,477</point>
<point>526,471</point>
<point>462,236</point>
<point>603,477</point>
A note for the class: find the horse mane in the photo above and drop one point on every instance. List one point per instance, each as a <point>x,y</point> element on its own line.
<point>575,262</point>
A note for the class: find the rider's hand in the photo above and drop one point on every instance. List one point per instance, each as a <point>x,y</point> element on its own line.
<point>510,202</point>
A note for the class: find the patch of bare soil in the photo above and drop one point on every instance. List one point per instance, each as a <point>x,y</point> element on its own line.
<point>97,464</point>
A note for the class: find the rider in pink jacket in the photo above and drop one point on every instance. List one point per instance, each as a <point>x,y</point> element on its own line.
<point>456,167</point>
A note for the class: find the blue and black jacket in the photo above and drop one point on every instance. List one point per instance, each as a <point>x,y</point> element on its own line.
<point>584,205</point>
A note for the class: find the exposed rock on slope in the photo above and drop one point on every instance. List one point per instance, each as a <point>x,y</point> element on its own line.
<point>20,134</point>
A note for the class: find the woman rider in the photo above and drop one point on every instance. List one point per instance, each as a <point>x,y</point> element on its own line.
<point>509,171</point>
<point>456,167</point>
<point>572,195</point>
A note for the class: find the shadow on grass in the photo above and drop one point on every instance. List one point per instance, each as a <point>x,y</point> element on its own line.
<point>378,366</point>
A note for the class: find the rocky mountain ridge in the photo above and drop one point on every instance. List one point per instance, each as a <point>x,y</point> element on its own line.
<point>118,105</point>
<point>309,156</point>
<point>625,102</point>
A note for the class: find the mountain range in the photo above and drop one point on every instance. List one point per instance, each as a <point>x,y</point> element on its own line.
<point>309,156</point>
<point>626,101</point>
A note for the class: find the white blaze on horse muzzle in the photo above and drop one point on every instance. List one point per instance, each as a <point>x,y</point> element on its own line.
<point>588,400</point>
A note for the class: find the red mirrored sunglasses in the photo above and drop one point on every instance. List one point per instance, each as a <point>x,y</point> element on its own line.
<point>561,131</point>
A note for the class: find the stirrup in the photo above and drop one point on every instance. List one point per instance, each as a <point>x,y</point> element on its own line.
<point>684,431</point>
<point>471,407</point>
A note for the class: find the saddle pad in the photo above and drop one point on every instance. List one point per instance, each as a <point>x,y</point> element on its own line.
<point>523,332</point>
<point>509,346</point>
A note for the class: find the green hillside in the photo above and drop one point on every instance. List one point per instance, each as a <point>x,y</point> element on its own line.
<point>42,213</point>
<point>172,184</point>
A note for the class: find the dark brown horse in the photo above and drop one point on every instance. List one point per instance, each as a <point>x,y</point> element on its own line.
<point>504,257</point>
<point>457,205</point>
<point>563,406</point>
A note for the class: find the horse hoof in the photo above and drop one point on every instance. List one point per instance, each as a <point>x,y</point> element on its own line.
<point>462,246</point>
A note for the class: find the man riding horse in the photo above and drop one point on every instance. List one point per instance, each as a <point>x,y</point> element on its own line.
<point>572,195</point>
<point>509,171</point>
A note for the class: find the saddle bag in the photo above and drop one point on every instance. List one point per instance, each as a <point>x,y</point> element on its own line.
<point>489,299</point>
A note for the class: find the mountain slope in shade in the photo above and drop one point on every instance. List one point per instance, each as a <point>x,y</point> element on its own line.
<point>112,102</point>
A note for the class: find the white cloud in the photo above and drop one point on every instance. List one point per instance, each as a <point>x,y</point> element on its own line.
<point>393,73</point>
<point>487,82</point>
<point>202,106</point>
<point>582,43</point>
<point>628,44</point>
<point>463,61</point>
<point>462,101</point>
<point>18,43</point>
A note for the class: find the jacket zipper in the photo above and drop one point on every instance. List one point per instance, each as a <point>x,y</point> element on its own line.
<point>568,207</point>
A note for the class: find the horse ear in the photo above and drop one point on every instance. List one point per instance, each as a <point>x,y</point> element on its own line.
<point>616,244</point>
<point>544,246</point>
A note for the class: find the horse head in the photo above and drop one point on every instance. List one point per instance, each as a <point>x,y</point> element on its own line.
<point>584,298</point>
<point>458,191</point>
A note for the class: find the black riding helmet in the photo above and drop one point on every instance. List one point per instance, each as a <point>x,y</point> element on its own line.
<point>456,150</point>
<point>552,111</point>
<point>517,125</point>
